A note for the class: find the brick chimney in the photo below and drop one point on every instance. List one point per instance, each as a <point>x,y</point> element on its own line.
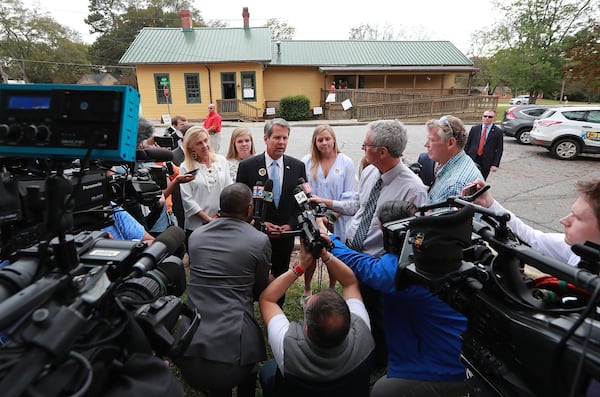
<point>246,16</point>
<point>186,20</point>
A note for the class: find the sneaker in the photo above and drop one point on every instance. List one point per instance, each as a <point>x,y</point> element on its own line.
<point>304,299</point>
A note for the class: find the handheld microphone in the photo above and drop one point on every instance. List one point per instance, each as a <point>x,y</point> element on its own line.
<point>258,193</point>
<point>306,188</point>
<point>268,198</point>
<point>269,191</point>
<point>301,198</point>
<point>165,243</point>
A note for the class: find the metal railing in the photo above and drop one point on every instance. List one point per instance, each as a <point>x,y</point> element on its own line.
<point>234,108</point>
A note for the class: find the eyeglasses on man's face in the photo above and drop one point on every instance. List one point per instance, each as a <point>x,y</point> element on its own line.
<point>366,145</point>
<point>487,116</point>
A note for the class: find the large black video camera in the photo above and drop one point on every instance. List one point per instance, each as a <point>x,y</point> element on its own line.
<point>81,313</point>
<point>308,229</point>
<point>526,335</point>
<point>75,319</point>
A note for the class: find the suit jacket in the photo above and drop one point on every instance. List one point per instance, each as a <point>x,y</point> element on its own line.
<point>229,268</point>
<point>254,169</point>
<point>427,169</point>
<point>492,150</point>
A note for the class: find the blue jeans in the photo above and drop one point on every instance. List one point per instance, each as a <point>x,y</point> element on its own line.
<point>267,376</point>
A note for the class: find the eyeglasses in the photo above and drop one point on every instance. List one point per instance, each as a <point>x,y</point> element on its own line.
<point>366,145</point>
<point>485,116</point>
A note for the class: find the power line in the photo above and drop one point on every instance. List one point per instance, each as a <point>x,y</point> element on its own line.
<point>73,64</point>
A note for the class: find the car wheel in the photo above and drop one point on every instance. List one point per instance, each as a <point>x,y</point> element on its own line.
<point>565,149</point>
<point>523,137</point>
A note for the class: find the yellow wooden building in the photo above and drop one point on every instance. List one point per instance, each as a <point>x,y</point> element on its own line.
<point>244,72</point>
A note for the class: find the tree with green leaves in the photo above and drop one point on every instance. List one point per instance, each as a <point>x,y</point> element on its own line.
<point>118,30</point>
<point>529,41</point>
<point>37,49</point>
<point>582,54</point>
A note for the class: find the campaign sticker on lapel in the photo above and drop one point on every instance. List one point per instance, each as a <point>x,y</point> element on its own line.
<point>262,172</point>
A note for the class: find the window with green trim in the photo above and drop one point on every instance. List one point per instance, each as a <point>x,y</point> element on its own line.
<point>248,86</point>
<point>192,87</point>
<point>163,95</point>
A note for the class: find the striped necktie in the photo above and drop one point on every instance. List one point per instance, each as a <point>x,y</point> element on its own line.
<point>367,216</point>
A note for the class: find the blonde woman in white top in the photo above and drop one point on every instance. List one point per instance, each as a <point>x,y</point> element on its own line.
<point>200,197</point>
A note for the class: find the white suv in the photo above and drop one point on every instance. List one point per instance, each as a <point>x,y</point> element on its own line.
<point>519,100</point>
<point>568,131</point>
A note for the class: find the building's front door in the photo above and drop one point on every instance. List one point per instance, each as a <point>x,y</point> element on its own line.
<point>229,92</point>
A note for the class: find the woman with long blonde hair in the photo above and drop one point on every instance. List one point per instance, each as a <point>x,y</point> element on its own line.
<point>200,197</point>
<point>241,146</point>
<point>331,176</point>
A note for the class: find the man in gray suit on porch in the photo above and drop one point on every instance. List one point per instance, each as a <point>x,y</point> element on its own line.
<point>229,267</point>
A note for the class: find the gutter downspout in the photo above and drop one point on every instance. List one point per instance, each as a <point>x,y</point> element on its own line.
<point>210,94</point>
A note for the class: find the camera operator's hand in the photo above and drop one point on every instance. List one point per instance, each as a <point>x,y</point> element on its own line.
<point>322,226</point>
<point>485,200</point>
<point>148,142</point>
<point>306,257</point>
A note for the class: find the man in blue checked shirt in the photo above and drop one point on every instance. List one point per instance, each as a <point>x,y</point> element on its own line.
<point>446,140</point>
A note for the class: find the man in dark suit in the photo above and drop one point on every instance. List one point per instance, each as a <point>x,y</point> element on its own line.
<point>280,215</point>
<point>229,268</point>
<point>485,144</point>
<point>427,171</point>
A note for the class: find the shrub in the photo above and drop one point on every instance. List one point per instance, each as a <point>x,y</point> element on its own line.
<point>295,108</point>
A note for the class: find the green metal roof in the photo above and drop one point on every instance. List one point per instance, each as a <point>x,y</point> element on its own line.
<point>215,45</point>
<point>368,53</point>
<point>199,45</point>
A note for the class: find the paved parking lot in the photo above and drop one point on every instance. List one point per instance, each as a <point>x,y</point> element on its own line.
<point>537,187</point>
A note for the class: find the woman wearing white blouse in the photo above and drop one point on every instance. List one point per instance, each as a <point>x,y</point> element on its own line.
<point>200,197</point>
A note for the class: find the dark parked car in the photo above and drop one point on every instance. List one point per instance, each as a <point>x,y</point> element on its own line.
<point>518,120</point>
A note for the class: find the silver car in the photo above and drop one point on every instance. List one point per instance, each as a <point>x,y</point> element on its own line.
<point>518,120</point>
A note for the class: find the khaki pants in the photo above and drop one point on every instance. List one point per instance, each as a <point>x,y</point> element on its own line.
<point>215,141</point>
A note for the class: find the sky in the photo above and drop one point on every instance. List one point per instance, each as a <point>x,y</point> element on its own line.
<point>324,20</point>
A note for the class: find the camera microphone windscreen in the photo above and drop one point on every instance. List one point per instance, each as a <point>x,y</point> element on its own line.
<point>154,154</point>
<point>164,244</point>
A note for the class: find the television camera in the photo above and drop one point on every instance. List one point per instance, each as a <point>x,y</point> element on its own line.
<point>79,311</point>
<point>526,335</point>
<point>60,141</point>
<point>308,229</point>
